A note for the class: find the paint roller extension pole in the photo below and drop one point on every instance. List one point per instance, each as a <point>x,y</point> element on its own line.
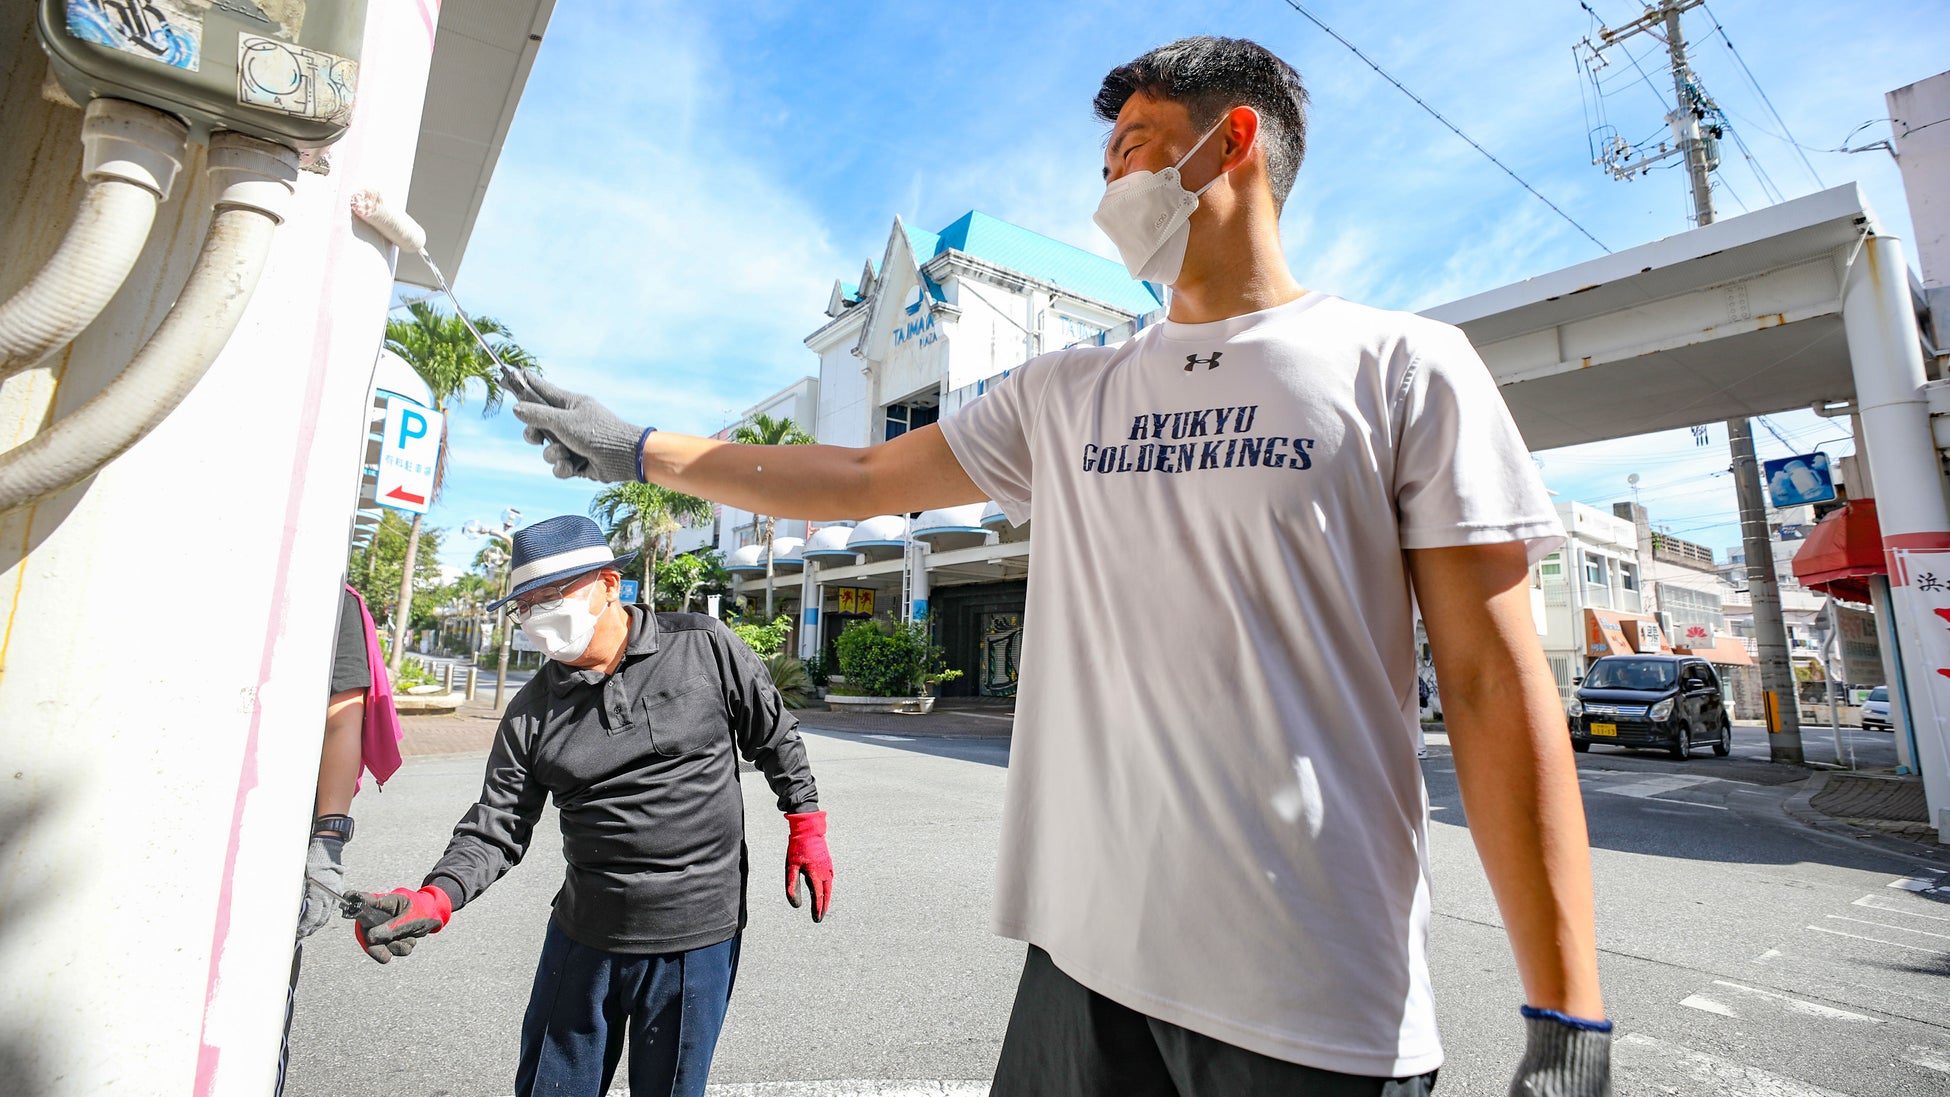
<point>254,181</point>
<point>407,235</point>
<point>130,156</point>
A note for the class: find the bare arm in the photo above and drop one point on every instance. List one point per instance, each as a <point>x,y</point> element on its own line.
<point>916,471</point>
<point>340,758</point>
<point>1514,765</point>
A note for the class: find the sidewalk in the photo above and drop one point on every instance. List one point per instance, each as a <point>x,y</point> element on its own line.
<point>471,729</point>
<point>1883,804</point>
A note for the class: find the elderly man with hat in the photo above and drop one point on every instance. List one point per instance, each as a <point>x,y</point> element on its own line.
<point>632,727</point>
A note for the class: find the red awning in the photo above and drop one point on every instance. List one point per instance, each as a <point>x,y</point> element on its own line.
<point>1842,551</point>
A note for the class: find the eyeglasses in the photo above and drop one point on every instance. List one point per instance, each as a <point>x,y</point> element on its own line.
<point>541,601</point>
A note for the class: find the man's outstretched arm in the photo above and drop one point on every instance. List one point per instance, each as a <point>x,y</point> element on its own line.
<point>915,471</point>
<point>1514,765</point>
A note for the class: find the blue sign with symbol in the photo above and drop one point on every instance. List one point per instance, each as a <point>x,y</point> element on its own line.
<point>1796,481</point>
<point>629,591</point>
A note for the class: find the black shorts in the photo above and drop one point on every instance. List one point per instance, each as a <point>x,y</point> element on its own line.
<point>349,669</point>
<point>1066,1040</point>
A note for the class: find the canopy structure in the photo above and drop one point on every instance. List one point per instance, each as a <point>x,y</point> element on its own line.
<point>1842,552</point>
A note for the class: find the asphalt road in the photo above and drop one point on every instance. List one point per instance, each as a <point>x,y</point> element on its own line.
<point>1743,953</point>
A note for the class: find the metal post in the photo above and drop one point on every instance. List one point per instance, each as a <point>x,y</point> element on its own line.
<point>507,635</point>
<point>473,679</point>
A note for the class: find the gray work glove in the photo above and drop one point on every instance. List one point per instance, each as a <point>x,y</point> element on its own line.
<point>582,437</point>
<point>325,860</point>
<point>1562,1059</point>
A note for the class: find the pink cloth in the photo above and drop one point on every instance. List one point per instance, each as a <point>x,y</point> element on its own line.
<point>379,742</point>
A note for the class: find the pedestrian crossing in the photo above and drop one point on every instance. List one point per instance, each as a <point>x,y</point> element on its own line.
<point>1868,974</point>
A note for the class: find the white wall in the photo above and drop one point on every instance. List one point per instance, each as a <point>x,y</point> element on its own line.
<point>165,653</point>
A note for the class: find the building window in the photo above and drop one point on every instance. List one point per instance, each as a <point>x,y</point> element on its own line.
<point>902,418</point>
<point>1594,570</point>
<point>1628,576</point>
<point>1552,567</point>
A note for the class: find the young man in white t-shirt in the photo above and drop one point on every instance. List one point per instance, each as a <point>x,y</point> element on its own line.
<point>1215,841</point>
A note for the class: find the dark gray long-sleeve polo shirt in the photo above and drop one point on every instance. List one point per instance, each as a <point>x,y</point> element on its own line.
<point>642,767</point>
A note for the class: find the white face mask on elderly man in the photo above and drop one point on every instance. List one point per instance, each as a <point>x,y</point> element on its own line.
<point>1147,215</point>
<point>563,632</point>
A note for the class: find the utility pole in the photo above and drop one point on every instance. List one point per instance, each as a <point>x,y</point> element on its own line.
<point>1697,125</point>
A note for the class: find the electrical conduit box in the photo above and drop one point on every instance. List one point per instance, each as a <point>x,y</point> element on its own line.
<point>283,70</point>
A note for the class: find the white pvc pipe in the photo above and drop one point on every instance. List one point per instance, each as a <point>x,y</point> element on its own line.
<point>130,156</point>
<point>253,180</point>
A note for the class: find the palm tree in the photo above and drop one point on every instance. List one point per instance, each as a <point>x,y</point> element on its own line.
<point>443,352</point>
<point>646,515</point>
<point>764,430</point>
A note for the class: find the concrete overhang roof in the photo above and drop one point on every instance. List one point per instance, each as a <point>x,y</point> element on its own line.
<point>481,58</point>
<point>1739,317</point>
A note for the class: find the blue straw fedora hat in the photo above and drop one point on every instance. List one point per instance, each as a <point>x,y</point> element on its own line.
<point>555,550</point>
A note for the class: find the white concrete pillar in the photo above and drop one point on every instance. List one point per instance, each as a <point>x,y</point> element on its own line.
<point>811,594</point>
<point>917,580</point>
<point>154,805</point>
<point>1887,360</point>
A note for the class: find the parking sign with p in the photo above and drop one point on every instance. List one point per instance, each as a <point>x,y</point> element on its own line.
<point>409,450</point>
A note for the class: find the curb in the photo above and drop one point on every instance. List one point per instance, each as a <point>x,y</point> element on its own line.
<point>1797,807</point>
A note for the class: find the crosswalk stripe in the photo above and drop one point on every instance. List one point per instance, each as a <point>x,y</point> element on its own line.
<point>1648,1057</point>
<point>1707,1005</point>
<point>1879,941</point>
<point>1928,1058</point>
<point>1812,1009</point>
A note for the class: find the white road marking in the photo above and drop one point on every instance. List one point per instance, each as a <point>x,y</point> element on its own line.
<point>1707,1005</point>
<point>1878,941</point>
<point>886,738</point>
<point>850,1088</point>
<point>1869,901</point>
<point>1928,1058</point>
<point>1915,883</point>
<point>1649,1057</point>
<point>1885,925</point>
<point>1652,786</point>
<point>1812,1009</point>
<point>842,1088</point>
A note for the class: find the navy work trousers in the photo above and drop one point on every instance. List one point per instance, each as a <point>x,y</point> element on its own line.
<point>585,1000</point>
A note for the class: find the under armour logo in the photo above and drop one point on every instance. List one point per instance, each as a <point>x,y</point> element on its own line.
<point>1210,363</point>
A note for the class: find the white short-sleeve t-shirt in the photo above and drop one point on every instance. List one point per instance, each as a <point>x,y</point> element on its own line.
<point>1215,815</point>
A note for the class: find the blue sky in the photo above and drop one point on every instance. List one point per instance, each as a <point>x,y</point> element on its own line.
<point>683,182</point>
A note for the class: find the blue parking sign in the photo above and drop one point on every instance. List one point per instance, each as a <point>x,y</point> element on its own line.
<point>629,591</point>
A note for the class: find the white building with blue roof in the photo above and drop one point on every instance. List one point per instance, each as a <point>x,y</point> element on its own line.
<point>939,318</point>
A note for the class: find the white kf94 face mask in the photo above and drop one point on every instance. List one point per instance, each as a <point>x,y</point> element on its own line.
<point>1147,215</point>
<point>563,633</point>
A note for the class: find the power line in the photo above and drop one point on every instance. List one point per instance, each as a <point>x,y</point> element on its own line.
<point>1453,128</point>
<point>1763,94</point>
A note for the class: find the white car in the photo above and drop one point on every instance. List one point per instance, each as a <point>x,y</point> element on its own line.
<point>1875,711</point>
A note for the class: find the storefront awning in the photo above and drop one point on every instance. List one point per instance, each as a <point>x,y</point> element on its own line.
<point>1605,632</point>
<point>1842,552</point>
<point>1727,651</point>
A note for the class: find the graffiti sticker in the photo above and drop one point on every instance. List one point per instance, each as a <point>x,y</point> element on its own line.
<point>291,79</point>
<point>169,31</point>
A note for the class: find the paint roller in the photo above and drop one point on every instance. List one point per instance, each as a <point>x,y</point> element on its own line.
<point>408,236</point>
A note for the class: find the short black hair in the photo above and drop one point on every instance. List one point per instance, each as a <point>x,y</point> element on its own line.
<point>1213,75</point>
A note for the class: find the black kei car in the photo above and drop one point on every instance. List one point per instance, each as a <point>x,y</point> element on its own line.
<point>1669,701</point>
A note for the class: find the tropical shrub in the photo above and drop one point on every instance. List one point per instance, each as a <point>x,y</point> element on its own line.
<point>790,679</point>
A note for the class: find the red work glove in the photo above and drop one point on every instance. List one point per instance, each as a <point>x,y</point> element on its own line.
<point>390,924</point>
<point>806,855</point>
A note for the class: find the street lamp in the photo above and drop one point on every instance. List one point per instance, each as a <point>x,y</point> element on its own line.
<point>496,558</point>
